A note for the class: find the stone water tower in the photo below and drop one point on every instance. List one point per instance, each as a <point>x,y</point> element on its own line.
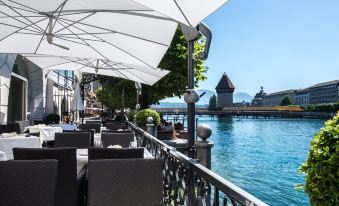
<point>225,89</point>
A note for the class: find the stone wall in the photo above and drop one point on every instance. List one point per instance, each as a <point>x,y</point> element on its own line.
<point>224,99</point>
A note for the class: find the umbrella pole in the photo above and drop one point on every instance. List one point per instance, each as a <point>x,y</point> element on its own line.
<point>83,99</point>
<point>190,106</point>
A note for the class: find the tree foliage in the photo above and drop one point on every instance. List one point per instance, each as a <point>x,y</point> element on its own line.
<point>213,102</point>
<point>322,166</point>
<point>173,84</point>
<point>286,101</point>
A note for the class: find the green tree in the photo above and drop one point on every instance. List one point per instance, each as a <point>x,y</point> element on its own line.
<point>286,101</point>
<point>173,84</point>
<point>213,102</point>
<point>322,166</point>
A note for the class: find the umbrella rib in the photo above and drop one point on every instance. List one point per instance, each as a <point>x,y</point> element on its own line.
<point>117,48</point>
<point>32,10</point>
<point>21,16</point>
<point>129,67</point>
<point>18,27</point>
<point>75,22</point>
<point>67,37</point>
<point>133,75</point>
<point>83,40</point>
<point>125,34</point>
<point>21,29</point>
<point>27,25</point>
<point>61,7</point>
<point>182,12</point>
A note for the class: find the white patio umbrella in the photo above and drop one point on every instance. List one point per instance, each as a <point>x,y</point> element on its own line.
<point>77,102</point>
<point>115,30</point>
<point>188,12</point>
<point>143,74</point>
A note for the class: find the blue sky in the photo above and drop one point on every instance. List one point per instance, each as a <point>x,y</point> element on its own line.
<point>279,44</point>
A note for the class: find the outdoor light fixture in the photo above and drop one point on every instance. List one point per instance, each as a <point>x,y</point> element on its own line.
<point>138,87</point>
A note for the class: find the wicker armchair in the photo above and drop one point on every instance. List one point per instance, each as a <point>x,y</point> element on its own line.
<point>114,126</point>
<point>67,190</point>
<point>28,183</point>
<point>89,126</point>
<point>73,139</point>
<point>127,182</point>
<point>121,139</point>
<point>92,131</point>
<point>112,153</point>
<point>116,131</point>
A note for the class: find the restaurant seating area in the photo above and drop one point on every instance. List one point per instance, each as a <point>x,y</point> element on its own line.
<point>85,167</point>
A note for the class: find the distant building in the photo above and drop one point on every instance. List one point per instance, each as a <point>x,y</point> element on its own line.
<point>302,97</point>
<point>257,100</point>
<point>274,99</point>
<point>326,92</point>
<point>224,89</point>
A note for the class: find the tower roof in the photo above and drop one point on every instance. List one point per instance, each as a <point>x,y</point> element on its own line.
<point>225,83</point>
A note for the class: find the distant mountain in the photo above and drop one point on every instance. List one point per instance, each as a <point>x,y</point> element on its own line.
<point>242,96</point>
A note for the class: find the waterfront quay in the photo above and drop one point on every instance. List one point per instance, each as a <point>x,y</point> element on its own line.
<point>253,112</point>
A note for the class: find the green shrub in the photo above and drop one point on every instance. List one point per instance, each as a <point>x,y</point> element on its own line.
<point>53,118</point>
<point>141,117</point>
<point>131,114</point>
<point>334,107</point>
<point>322,166</point>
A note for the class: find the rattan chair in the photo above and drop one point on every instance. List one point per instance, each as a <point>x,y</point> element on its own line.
<point>113,153</point>
<point>126,182</point>
<point>68,183</point>
<point>10,127</point>
<point>92,131</point>
<point>28,183</point>
<point>114,126</point>
<point>89,126</point>
<point>73,139</point>
<point>121,139</point>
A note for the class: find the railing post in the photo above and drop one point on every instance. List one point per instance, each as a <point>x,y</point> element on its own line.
<point>203,149</point>
<point>150,126</point>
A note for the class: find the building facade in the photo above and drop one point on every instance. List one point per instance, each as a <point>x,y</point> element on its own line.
<point>326,92</point>
<point>225,89</point>
<point>28,92</point>
<point>302,97</point>
<point>257,100</point>
<point>275,99</point>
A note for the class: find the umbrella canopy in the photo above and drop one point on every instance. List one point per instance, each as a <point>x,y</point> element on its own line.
<point>188,12</point>
<point>77,102</point>
<point>115,30</point>
<point>143,74</point>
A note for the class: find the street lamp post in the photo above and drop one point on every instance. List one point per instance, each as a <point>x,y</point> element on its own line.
<point>138,88</point>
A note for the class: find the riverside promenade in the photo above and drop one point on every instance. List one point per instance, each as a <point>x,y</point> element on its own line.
<point>248,112</point>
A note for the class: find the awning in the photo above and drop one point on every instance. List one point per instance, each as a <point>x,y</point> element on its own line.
<point>143,74</point>
<point>114,30</point>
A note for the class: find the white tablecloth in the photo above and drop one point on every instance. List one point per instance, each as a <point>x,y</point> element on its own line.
<point>7,144</point>
<point>67,126</point>
<point>46,133</point>
<point>82,157</point>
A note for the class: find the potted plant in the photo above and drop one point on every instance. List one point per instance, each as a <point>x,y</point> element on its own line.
<point>52,118</point>
<point>142,115</point>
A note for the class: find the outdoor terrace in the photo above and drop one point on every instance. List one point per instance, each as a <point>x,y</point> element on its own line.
<point>182,180</point>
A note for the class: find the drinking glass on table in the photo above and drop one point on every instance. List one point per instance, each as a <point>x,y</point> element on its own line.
<point>132,144</point>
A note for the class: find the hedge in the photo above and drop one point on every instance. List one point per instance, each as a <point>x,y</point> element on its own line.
<point>322,166</point>
<point>330,108</point>
<point>141,117</point>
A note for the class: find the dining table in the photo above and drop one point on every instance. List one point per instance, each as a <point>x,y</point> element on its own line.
<point>47,133</point>
<point>8,143</point>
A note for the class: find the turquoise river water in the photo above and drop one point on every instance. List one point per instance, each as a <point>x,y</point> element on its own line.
<point>262,155</point>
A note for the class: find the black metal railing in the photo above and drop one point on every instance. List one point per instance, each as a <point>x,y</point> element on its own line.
<point>186,182</point>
